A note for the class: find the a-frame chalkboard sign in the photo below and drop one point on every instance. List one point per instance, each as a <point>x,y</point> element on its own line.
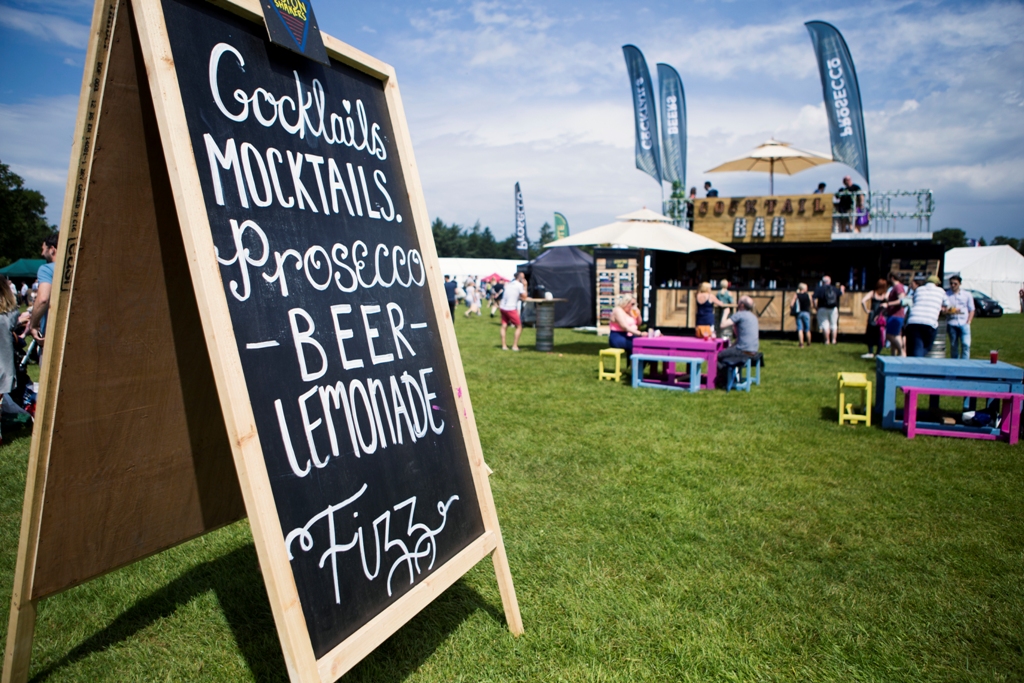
<point>249,319</point>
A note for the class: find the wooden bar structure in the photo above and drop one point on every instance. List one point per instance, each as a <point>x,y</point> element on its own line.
<point>677,308</point>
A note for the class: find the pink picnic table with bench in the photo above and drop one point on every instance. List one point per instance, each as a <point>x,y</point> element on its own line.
<point>707,349</point>
<point>1011,407</point>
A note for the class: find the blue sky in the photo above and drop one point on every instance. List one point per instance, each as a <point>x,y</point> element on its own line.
<point>537,92</point>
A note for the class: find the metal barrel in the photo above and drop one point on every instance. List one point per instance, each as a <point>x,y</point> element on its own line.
<point>545,327</point>
<point>939,346</point>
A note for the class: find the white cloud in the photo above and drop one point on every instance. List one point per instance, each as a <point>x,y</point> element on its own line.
<point>493,98</point>
<point>37,138</point>
<point>48,27</point>
<point>503,90</point>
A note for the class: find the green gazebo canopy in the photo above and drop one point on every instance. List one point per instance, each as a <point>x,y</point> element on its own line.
<point>24,267</point>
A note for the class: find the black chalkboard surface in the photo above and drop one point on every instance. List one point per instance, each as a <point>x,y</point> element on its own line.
<point>328,299</point>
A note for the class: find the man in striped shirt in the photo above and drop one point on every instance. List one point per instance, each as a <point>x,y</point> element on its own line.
<point>923,320</point>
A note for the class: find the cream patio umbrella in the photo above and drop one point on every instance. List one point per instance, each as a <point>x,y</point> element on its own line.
<point>643,229</point>
<point>774,157</point>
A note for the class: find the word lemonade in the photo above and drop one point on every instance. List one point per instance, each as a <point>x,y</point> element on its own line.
<point>369,414</point>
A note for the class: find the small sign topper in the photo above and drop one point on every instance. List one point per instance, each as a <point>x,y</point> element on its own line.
<point>292,25</point>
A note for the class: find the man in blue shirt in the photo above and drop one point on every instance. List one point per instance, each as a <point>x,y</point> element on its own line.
<point>44,278</point>
<point>959,314</point>
<point>449,290</point>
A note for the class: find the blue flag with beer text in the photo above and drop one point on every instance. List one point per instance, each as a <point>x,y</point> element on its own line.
<point>648,154</point>
<point>842,97</point>
<point>673,125</point>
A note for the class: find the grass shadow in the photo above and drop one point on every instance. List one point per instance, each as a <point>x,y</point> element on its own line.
<point>233,577</point>
<point>581,348</point>
<point>236,580</point>
<point>406,651</point>
<point>15,431</point>
<point>830,414</point>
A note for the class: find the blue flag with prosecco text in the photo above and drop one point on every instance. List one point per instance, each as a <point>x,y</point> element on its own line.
<point>522,241</point>
<point>648,154</point>
<point>842,97</point>
<point>673,125</point>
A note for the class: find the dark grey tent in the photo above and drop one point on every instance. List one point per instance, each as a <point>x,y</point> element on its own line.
<point>568,273</point>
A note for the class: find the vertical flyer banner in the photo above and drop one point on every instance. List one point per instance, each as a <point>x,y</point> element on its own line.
<point>522,243</point>
<point>561,226</point>
<point>842,97</point>
<point>673,125</point>
<point>648,152</point>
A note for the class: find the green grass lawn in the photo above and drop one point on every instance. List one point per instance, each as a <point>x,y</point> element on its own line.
<point>653,536</point>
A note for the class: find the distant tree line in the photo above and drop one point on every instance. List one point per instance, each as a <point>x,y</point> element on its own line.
<point>951,238</point>
<point>23,225</point>
<point>457,241</point>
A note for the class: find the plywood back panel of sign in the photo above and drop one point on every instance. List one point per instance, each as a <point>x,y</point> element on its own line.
<point>139,447</point>
<point>772,220</point>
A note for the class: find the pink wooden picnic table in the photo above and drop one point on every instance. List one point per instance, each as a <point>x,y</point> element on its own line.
<point>707,349</point>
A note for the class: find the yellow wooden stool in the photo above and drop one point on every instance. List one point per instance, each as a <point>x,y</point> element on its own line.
<point>854,380</point>
<point>602,373</point>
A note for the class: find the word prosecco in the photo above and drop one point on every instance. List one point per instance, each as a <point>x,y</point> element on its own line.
<point>839,97</point>
<point>334,129</point>
<point>318,264</point>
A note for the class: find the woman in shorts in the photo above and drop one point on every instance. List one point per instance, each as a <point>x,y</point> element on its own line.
<point>801,309</point>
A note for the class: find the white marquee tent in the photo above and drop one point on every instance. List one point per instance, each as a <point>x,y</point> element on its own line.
<point>461,268</point>
<point>996,271</point>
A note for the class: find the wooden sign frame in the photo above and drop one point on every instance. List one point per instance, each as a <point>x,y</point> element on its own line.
<point>131,108</point>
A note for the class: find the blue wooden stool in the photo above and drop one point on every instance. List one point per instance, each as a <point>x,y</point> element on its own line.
<point>750,376</point>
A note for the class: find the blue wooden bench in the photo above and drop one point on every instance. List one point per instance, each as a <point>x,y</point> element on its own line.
<point>892,372</point>
<point>639,381</point>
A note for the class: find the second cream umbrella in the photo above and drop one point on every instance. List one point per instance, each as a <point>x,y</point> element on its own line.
<point>774,157</point>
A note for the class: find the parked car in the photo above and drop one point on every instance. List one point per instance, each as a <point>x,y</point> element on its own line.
<point>985,306</point>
